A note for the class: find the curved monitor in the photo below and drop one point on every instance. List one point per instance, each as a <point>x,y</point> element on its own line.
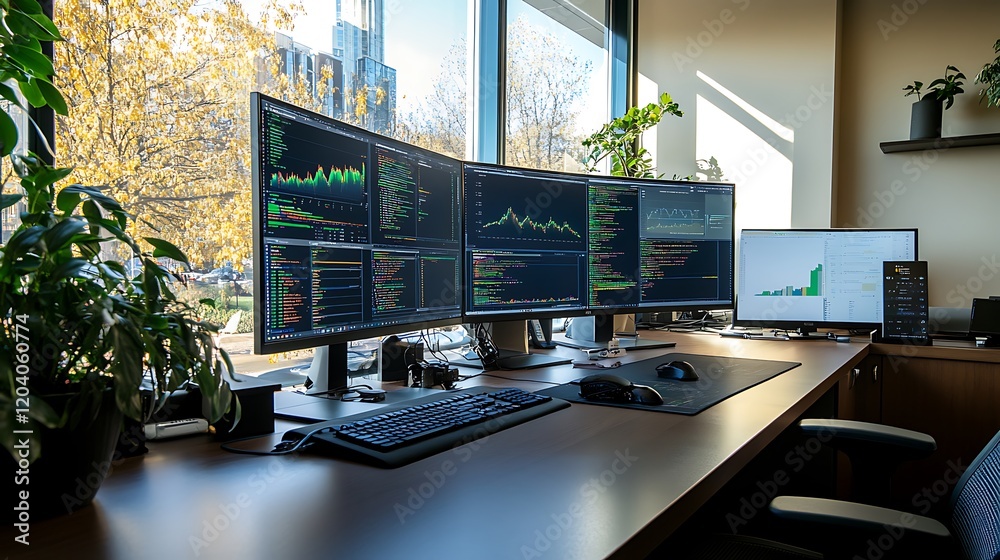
<point>658,245</point>
<point>355,234</point>
<point>550,244</point>
<point>806,279</point>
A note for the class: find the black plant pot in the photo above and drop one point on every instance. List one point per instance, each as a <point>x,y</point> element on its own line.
<point>925,119</point>
<point>73,465</point>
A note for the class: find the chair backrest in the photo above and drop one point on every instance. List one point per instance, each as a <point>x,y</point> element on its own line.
<point>975,503</point>
<point>233,323</point>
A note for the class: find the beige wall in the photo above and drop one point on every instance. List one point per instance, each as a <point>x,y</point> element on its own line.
<point>952,196</point>
<point>755,79</point>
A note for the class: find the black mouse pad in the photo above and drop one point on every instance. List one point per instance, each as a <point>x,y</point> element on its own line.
<point>719,379</point>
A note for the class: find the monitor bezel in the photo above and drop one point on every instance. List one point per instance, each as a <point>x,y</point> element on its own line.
<point>803,325</point>
<point>261,346</point>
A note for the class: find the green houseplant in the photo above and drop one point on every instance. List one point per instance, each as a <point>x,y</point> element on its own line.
<point>989,76</point>
<point>78,334</point>
<point>927,111</point>
<point>621,139</point>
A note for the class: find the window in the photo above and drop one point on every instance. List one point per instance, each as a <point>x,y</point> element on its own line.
<point>160,112</point>
<point>557,81</point>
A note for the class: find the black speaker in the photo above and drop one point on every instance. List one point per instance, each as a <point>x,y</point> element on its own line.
<point>397,355</point>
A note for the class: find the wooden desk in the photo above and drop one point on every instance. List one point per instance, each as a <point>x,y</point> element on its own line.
<point>586,482</point>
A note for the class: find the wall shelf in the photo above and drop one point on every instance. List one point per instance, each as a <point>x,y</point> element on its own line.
<point>940,143</point>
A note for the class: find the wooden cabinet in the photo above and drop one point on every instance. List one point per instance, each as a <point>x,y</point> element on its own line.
<point>951,393</point>
<point>859,397</point>
<point>859,392</point>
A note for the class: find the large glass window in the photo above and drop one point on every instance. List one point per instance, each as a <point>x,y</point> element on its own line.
<point>159,103</point>
<point>557,81</point>
<point>159,98</point>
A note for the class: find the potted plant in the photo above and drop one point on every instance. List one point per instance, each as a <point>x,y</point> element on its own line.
<point>989,76</point>
<point>621,139</point>
<point>77,333</point>
<point>927,111</point>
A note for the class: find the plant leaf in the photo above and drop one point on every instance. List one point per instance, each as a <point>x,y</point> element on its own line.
<point>166,249</point>
<point>52,97</point>
<point>73,268</point>
<point>52,175</point>
<point>8,200</point>
<point>29,6</point>
<point>9,94</point>
<point>30,91</point>
<point>67,200</point>
<point>45,23</point>
<point>58,237</point>
<point>34,62</point>
<point>8,134</point>
<point>23,240</point>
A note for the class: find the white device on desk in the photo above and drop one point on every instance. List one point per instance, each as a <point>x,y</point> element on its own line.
<point>606,353</point>
<point>174,428</point>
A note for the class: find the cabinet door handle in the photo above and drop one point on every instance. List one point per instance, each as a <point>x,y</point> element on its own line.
<point>854,377</point>
<point>875,374</point>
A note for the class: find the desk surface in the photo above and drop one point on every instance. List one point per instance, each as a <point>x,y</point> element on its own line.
<point>585,482</point>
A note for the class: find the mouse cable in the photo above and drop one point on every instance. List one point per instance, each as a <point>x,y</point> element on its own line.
<point>280,448</point>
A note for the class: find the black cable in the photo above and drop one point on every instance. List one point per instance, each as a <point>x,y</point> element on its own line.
<point>281,448</point>
<point>437,354</point>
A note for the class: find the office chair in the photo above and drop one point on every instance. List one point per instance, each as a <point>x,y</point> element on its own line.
<point>852,530</point>
<point>875,451</point>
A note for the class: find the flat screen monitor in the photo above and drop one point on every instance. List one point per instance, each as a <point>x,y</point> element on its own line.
<point>805,279</point>
<point>525,243</point>
<point>658,245</point>
<point>355,234</point>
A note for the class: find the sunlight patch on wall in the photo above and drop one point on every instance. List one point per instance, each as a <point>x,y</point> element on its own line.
<point>743,139</point>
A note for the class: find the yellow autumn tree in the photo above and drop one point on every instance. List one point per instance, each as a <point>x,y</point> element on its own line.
<point>159,112</point>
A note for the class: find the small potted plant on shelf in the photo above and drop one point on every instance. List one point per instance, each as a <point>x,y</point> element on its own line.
<point>989,76</point>
<point>927,111</point>
<point>78,333</point>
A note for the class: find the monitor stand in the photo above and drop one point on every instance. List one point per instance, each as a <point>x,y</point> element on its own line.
<point>806,333</point>
<point>511,339</point>
<point>328,371</point>
<point>604,331</point>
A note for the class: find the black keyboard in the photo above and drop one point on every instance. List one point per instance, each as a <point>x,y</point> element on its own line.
<point>396,435</point>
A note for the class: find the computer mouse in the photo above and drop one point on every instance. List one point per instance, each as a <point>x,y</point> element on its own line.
<point>606,387</point>
<point>644,394</point>
<point>677,369</point>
